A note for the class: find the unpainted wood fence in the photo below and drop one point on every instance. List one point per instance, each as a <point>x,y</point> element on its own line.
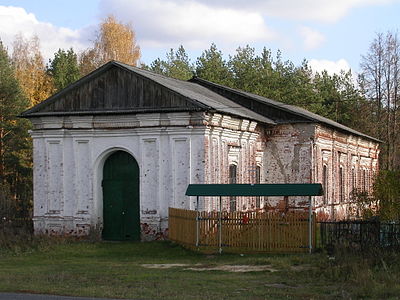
<point>241,232</point>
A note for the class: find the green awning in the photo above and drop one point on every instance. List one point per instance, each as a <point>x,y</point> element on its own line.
<point>296,189</point>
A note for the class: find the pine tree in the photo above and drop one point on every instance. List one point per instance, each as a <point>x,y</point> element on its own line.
<point>15,145</point>
<point>245,69</point>
<point>64,68</point>
<point>212,67</point>
<point>177,65</point>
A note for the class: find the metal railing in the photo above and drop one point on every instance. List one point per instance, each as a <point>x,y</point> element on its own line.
<point>358,234</point>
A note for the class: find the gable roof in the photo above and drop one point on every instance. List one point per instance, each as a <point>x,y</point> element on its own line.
<point>151,93</point>
<point>117,88</point>
<point>250,101</point>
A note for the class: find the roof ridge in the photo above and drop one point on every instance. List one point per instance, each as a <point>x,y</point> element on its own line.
<point>287,107</point>
<point>274,103</point>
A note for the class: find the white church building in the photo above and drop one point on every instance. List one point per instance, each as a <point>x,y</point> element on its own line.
<point>114,150</point>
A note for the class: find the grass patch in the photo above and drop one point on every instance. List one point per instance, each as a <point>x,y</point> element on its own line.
<point>106,269</point>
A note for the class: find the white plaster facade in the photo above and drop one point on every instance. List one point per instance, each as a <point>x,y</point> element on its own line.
<point>175,149</point>
<point>69,155</point>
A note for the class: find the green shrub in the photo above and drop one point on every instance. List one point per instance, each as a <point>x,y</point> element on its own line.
<point>387,191</point>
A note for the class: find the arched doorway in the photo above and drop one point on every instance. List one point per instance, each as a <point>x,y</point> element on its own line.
<point>121,214</point>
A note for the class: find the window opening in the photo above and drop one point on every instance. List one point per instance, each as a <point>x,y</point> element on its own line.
<point>341,185</point>
<point>364,181</point>
<point>232,180</point>
<point>325,183</point>
<point>258,181</point>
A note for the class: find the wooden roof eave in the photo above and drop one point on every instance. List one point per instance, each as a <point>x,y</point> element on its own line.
<point>108,112</point>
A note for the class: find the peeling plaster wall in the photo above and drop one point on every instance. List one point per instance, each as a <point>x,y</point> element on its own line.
<point>358,159</point>
<point>69,154</point>
<point>297,153</point>
<point>231,141</point>
<point>175,149</point>
<point>288,159</point>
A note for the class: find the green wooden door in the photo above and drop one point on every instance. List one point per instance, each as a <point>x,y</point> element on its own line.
<point>121,215</point>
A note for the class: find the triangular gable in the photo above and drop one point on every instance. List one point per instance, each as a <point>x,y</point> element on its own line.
<point>113,88</point>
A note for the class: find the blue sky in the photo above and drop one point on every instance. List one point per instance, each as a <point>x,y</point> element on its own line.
<point>329,34</point>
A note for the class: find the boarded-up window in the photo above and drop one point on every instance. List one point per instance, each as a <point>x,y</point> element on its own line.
<point>232,180</point>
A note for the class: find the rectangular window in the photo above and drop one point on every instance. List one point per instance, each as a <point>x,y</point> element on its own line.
<point>325,183</point>
<point>232,180</point>
<point>258,181</point>
<point>364,180</point>
<point>341,185</point>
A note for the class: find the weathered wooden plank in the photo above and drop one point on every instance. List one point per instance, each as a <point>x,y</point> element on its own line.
<point>100,85</point>
<point>140,93</point>
<point>122,89</point>
<point>131,91</point>
<point>116,89</point>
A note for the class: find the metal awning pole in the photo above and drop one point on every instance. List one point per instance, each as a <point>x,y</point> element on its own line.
<point>220,225</point>
<point>310,225</point>
<point>197,221</point>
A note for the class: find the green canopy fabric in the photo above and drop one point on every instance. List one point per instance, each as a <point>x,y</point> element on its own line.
<point>296,189</point>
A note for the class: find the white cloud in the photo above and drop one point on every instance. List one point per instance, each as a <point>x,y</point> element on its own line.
<point>332,67</point>
<point>161,24</point>
<point>14,20</point>
<point>312,38</point>
<point>167,22</point>
<point>317,10</point>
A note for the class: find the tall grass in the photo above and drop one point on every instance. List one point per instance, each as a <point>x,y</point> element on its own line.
<point>372,273</point>
<point>20,239</point>
<point>115,269</point>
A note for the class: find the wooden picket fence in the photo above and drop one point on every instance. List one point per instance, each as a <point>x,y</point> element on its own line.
<point>241,231</point>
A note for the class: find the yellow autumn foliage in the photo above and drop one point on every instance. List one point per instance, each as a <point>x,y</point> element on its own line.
<point>115,41</point>
<point>30,70</point>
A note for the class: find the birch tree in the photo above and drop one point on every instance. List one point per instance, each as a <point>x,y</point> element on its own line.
<point>380,79</point>
<point>115,41</point>
<point>30,69</point>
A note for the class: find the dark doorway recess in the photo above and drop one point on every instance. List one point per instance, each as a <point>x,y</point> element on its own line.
<point>121,209</point>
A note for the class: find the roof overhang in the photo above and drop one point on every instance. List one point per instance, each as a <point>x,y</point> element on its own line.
<point>295,189</point>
